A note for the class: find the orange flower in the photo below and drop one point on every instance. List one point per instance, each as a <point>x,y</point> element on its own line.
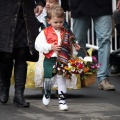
<point>78,60</point>
<point>71,61</point>
<point>86,69</point>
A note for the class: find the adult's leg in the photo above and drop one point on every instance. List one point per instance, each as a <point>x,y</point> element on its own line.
<point>80,29</point>
<point>20,73</point>
<point>103,28</point>
<point>116,19</point>
<point>6,65</point>
<point>115,55</point>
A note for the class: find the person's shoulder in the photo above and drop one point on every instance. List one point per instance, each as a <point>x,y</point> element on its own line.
<point>47,28</point>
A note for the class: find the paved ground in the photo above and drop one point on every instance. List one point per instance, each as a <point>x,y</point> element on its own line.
<point>85,104</point>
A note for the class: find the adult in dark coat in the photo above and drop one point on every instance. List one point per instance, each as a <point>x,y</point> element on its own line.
<point>100,11</point>
<point>18,30</point>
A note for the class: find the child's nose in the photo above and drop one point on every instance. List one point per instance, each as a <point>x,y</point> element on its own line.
<point>58,24</point>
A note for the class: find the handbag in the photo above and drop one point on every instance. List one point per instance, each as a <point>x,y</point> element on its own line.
<point>32,57</point>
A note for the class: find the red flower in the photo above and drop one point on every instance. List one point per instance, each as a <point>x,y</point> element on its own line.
<point>80,66</point>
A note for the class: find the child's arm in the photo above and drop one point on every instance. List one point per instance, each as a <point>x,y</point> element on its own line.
<point>41,44</point>
<point>77,47</point>
<point>55,47</point>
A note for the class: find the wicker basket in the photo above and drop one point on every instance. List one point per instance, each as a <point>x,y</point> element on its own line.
<point>90,79</point>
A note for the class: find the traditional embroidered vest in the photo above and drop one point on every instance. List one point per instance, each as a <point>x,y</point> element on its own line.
<point>67,39</point>
<point>51,37</point>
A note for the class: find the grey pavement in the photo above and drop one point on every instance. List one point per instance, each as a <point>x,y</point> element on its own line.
<point>88,103</point>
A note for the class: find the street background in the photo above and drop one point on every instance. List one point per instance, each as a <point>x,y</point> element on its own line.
<point>88,103</point>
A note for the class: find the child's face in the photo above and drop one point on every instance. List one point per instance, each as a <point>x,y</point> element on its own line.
<point>56,23</point>
<point>50,3</point>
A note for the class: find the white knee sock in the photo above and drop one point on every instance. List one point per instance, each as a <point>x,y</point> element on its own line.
<point>61,82</point>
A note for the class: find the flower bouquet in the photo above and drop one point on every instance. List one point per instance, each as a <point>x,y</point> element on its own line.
<point>86,68</point>
<point>75,66</point>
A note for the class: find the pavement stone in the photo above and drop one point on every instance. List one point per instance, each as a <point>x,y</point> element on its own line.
<point>88,103</point>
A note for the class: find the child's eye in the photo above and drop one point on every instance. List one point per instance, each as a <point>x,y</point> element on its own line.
<point>51,2</point>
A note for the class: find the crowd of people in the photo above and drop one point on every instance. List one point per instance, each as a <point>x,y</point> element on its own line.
<point>23,38</point>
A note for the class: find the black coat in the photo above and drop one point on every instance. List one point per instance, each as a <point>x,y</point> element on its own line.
<point>90,7</point>
<point>65,5</point>
<point>9,10</point>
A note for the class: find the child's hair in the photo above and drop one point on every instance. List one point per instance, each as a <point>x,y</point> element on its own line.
<point>56,11</point>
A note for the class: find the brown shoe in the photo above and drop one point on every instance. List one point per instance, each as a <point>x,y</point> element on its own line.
<point>106,85</point>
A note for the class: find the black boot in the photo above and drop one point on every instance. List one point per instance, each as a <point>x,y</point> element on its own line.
<point>20,73</point>
<point>5,75</point>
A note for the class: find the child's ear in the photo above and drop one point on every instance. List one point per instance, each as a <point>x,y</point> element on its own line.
<point>48,20</point>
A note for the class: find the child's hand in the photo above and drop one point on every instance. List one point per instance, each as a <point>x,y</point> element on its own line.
<point>77,47</point>
<point>55,47</point>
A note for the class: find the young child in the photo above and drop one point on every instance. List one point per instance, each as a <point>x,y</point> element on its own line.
<point>50,42</point>
<point>35,70</point>
<point>38,67</point>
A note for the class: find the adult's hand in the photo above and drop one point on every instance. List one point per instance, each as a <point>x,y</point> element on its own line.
<point>118,5</point>
<point>38,10</point>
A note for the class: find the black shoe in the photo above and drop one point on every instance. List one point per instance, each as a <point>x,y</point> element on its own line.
<point>20,101</point>
<point>4,94</point>
<point>5,75</point>
<point>114,70</point>
<point>4,98</point>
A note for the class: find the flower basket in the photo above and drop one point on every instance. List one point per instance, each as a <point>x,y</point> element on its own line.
<point>89,80</point>
<point>86,68</point>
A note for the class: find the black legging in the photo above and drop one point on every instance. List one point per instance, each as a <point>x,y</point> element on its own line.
<point>18,56</point>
